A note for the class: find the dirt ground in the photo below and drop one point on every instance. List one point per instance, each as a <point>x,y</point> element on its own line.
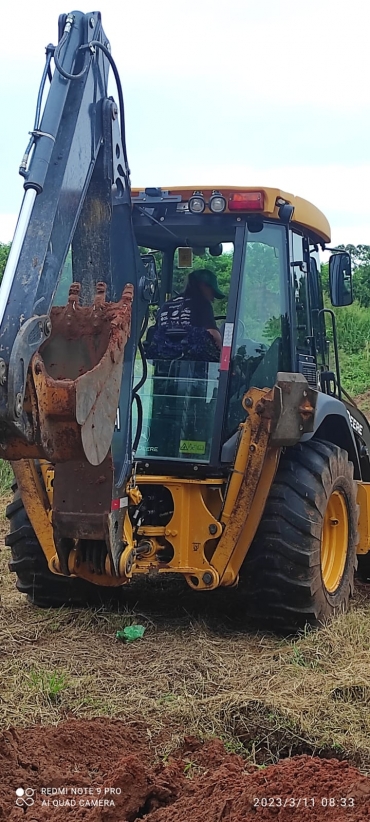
<point>202,719</point>
<point>363,402</point>
<point>104,771</point>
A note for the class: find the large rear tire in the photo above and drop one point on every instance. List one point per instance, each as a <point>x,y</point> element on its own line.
<point>300,567</point>
<point>28,562</point>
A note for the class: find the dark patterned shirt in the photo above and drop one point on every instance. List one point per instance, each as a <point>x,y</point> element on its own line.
<point>181,331</point>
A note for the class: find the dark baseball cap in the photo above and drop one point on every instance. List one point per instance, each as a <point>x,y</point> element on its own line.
<point>204,275</point>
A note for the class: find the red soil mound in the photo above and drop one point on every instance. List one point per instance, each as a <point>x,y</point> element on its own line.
<point>104,771</point>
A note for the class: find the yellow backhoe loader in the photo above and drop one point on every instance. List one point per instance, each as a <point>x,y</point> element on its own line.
<point>136,448</point>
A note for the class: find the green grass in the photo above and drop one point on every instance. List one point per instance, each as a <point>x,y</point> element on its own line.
<point>50,684</point>
<point>355,371</point>
<point>6,476</point>
<point>353,331</point>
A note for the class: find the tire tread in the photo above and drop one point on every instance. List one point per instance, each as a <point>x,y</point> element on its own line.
<point>34,579</point>
<point>282,570</point>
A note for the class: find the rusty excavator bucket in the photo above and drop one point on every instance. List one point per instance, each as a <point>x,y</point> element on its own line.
<point>74,380</point>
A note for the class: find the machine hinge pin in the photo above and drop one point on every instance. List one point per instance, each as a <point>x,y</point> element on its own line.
<point>18,407</point>
<point>47,327</point>
<point>2,371</point>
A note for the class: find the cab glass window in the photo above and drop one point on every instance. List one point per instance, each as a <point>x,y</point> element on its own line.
<point>261,335</point>
<point>299,277</point>
<point>179,396</point>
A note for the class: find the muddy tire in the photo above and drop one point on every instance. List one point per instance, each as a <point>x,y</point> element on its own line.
<point>28,562</point>
<point>300,568</point>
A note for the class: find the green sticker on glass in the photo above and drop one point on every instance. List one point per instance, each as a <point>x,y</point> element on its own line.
<point>192,447</point>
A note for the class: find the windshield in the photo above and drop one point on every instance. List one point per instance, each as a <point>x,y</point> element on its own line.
<point>180,392</point>
<point>261,338</point>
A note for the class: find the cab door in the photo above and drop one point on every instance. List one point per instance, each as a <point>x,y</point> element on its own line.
<point>317,316</point>
<point>302,326</point>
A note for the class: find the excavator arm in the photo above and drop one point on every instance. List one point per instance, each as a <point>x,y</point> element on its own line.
<point>64,370</point>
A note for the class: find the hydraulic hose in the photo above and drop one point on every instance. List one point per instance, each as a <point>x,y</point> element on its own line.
<point>139,426</point>
<point>135,394</point>
<point>46,73</point>
<point>92,46</point>
<point>58,65</point>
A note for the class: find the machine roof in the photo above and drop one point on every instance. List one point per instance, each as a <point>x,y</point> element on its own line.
<point>305,215</point>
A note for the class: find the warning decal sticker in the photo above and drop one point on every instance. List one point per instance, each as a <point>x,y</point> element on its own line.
<point>192,447</point>
<point>226,347</point>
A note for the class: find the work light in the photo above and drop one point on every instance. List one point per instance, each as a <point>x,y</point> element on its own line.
<point>217,203</point>
<point>197,203</point>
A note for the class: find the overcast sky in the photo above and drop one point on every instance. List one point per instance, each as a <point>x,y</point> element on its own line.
<point>254,92</point>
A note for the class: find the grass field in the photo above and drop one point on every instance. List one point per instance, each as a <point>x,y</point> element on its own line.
<point>197,670</point>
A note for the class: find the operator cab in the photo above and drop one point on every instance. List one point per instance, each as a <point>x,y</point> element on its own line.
<point>190,408</point>
<point>262,246</point>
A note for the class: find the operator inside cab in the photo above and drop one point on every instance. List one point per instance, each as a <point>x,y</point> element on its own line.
<point>186,327</point>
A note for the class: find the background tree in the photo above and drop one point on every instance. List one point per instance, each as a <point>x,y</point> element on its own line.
<point>4,254</point>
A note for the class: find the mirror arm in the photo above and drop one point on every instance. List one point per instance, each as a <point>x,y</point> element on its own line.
<point>335,250</point>
<point>335,343</point>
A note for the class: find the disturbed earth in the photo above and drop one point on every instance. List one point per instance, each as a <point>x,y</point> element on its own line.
<point>103,770</point>
<point>92,730</point>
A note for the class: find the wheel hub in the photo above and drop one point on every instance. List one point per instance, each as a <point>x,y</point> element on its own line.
<point>334,541</point>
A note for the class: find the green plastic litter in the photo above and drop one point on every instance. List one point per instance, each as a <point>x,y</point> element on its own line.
<point>131,633</point>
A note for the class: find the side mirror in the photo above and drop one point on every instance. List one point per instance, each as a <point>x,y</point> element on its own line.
<point>340,279</point>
